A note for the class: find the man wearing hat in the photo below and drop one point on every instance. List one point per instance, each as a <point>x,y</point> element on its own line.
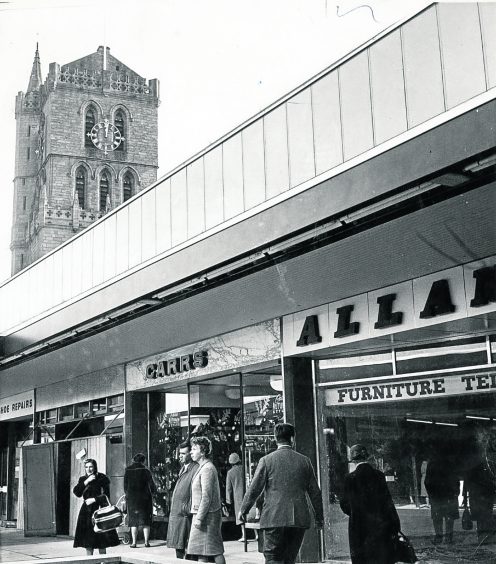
<point>373,518</point>
<point>234,488</point>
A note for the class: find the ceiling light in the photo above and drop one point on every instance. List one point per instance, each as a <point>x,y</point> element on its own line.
<point>481,165</point>
<point>482,418</point>
<point>276,383</point>
<point>232,393</point>
<point>446,424</point>
<point>420,421</point>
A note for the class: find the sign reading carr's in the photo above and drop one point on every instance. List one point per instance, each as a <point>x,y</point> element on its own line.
<point>177,365</point>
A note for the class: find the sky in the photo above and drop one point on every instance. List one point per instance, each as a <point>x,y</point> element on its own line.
<point>219,62</point>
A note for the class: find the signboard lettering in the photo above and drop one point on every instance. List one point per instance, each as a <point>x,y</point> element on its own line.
<point>16,406</point>
<point>455,293</point>
<point>374,392</point>
<point>184,363</point>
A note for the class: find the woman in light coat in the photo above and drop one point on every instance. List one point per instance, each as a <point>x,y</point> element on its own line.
<point>206,535</point>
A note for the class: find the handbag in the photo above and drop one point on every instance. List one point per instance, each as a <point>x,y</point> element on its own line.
<point>467,523</point>
<point>108,517</point>
<point>403,550</point>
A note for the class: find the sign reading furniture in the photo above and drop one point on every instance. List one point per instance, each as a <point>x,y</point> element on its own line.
<point>410,389</point>
<point>459,292</point>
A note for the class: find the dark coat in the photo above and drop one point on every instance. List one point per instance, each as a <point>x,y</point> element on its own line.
<point>85,536</point>
<point>180,512</point>
<point>286,478</point>
<point>481,486</point>
<point>442,485</point>
<point>234,488</point>
<point>373,518</point>
<point>139,487</point>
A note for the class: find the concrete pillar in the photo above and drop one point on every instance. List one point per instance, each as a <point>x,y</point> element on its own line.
<point>299,408</point>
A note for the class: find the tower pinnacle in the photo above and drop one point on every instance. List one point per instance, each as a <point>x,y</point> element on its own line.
<point>35,80</point>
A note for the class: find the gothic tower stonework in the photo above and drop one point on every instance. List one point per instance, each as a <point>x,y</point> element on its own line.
<point>86,141</point>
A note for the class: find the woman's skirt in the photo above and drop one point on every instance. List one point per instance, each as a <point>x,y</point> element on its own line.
<point>207,541</point>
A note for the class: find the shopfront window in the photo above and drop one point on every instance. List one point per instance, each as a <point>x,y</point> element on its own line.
<point>215,408</point>
<point>441,425</point>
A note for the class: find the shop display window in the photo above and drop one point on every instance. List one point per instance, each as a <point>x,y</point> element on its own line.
<point>66,413</point>
<point>99,406</point>
<point>115,403</point>
<point>82,410</point>
<point>236,412</point>
<point>451,437</point>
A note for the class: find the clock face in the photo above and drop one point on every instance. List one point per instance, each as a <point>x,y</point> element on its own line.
<point>105,136</point>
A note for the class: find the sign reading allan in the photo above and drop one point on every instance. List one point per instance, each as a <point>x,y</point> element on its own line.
<point>410,389</point>
<point>185,363</point>
<point>461,292</point>
<point>16,406</point>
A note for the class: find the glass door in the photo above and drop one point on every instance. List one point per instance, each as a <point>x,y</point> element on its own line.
<point>215,411</point>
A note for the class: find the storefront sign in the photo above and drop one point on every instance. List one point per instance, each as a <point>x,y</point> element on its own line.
<point>244,347</point>
<point>457,293</point>
<point>184,363</point>
<point>410,389</point>
<point>20,405</point>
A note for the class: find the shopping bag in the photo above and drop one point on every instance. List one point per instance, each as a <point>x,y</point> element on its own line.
<point>107,518</point>
<point>467,523</point>
<point>403,550</point>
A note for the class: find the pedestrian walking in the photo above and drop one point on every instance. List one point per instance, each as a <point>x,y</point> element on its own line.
<point>443,486</point>
<point>94,488</point>
<point>180,517</point>
<point>374,522</point>
<point>286,478</point>
<point>206,536</point>
<point>139,488</point>
<point>234,489</point>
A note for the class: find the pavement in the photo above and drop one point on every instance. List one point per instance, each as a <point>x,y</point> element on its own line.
<point>15,547</point>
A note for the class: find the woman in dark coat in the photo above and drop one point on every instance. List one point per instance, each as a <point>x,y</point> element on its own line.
<point>139,487</point>
<point>92,487</point>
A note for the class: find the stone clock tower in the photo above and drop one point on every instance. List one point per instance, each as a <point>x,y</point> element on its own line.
<point>86,141</point>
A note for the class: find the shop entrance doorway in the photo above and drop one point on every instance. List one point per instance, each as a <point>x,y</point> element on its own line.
<point>39,490</point>
<point>237,413</point>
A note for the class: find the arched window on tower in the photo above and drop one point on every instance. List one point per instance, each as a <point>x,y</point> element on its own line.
<point>104,192</point>
<point>81,186</point>
<point>127,186</point>
<point>89,122</point>
<point>120,124</point>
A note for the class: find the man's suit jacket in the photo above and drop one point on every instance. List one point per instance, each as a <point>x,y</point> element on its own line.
<point>179,516</point>
<point>286,478</point>
<point>373,517</point>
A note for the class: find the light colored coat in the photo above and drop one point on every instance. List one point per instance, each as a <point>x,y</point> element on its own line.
<point>234,488</point>
<point>286,478</point>
<point>205,491</point>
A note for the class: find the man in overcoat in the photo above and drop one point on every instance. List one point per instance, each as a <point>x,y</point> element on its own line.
<point>180,517</point>
<point>234,488</point>
<point>286,478</point>
<point>373,518</point>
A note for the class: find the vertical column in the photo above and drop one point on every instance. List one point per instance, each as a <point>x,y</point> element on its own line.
<point>136,424</point>
<point>299,411</point>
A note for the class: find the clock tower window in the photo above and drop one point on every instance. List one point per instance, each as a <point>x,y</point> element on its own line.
<point>127,186</point>
<point>89,122</point>
<point>81,186</point>
<point>104,192</point>
<point>120,124</point>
